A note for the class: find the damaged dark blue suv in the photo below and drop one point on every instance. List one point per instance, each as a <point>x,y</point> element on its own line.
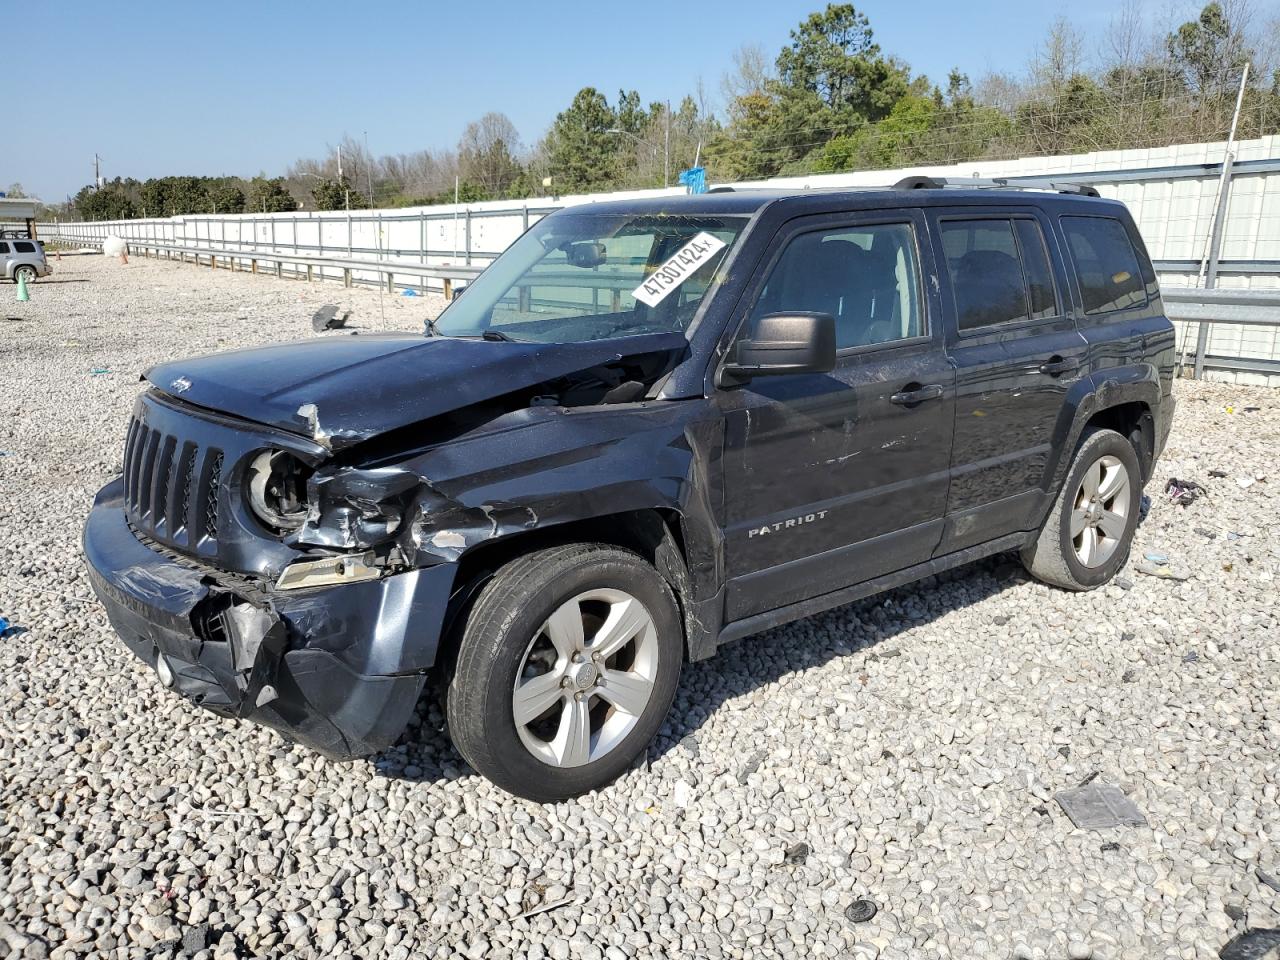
<point>650,427</point>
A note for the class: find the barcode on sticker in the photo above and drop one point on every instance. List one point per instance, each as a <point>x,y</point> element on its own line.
<point>678,268</point>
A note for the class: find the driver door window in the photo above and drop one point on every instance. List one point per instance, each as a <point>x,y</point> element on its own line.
<point>863,276</point>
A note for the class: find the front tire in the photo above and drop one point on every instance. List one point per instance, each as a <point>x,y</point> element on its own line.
<point>1087,535</point>
<point>567,666</point>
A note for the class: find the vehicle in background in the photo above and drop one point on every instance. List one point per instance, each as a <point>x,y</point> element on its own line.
<point>23,259</point>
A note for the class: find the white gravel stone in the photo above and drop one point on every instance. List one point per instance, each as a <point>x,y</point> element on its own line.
<point>911,742</point>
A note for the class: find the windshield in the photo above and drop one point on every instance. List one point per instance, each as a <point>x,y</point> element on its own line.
<point>584,276</point>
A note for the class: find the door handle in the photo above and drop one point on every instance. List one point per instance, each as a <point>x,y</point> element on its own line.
<point>917,394</point>
<point>1055,366</point>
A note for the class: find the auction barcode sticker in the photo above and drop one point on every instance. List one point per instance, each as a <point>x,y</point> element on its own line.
<point>682,265</point>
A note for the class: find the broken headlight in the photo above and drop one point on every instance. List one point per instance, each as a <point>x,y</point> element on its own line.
<point>276,483</point>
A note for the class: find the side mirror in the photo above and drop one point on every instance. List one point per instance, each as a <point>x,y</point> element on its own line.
<point>785,343</point>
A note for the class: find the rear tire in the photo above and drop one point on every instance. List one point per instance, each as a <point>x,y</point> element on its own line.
<point>1088,533</point>
<point>567,666</point>
<point>25,271</point>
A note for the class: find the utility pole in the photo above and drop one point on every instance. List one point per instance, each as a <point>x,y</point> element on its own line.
<point>368,168</point>
<point>666,150</point>
<point>346,193</point>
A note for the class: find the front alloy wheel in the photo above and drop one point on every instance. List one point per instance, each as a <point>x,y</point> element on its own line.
<point>587,678</point>
<point>567,666</point>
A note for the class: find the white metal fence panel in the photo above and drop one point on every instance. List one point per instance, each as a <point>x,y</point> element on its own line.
<point>1170,190</point>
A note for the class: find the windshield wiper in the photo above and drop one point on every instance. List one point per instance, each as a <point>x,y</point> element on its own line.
<point>498,335</point>
<point>432,329</point>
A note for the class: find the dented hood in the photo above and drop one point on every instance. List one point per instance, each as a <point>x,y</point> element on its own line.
<point>341,390</point>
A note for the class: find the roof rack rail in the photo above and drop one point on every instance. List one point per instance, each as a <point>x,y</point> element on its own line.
<point>999,183</point>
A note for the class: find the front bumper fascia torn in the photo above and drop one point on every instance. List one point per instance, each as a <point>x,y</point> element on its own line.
<point>339,668</point>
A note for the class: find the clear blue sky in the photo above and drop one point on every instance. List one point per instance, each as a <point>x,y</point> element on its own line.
<point>242,88</point>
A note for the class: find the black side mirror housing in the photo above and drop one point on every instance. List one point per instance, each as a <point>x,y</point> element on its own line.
<point>784,343</point>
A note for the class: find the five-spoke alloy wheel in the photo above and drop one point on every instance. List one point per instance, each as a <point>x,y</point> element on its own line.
<point>1086,537</point>
<point>1100,511</point>
<point>567,665</point>
<point>587,678</point>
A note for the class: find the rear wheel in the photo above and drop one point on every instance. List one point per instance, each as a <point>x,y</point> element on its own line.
<point>568,664</point>
<point>25,272</point>
<point>1087,535</point>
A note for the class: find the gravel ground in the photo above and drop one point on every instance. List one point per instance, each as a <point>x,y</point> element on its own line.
<point>902,751</point>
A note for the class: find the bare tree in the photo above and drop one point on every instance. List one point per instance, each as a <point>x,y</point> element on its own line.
<point>1058,59</point>
<point>751,72</point>
<point>487,153</point>
<point>1127,42</point>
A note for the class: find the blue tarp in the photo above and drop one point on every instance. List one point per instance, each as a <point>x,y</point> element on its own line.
<point>695,179</point>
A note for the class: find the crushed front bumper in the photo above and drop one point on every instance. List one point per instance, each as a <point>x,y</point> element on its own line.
<point>338,668</point>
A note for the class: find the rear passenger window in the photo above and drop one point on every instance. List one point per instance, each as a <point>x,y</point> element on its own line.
<point>999,271</point>
<point>1105,262</point>
<point>21,246</point>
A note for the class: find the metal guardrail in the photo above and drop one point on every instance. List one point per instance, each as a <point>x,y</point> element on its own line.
<point>1199,306</point>
<point>301,264</point>
<point>1206,307</point>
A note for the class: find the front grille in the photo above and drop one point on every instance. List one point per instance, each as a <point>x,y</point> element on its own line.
<point>172,488</point>
<point>211,498</point>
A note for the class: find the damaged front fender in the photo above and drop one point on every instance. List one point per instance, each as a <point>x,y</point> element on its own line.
<point>533,469</point>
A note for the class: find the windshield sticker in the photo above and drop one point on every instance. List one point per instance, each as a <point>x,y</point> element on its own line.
<point>679,268</point>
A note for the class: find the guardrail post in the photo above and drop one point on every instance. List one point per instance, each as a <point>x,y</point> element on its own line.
<point>308,273</point>
<point>1211,272</point>
<point>346,276</point>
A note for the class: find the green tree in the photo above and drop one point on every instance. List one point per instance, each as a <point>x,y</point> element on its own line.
<point>269,196</point>
<point>111,201</point>
<point>833,56</point>
<point>741,151</point>
<point>832,81</point>
<point>225,196</point>
<point>583,154</point>
<point>331,193</point>
<point>175,196</point>
<point>1210,51</point>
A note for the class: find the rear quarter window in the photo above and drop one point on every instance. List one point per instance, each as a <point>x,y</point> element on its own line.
<point>22,246</point>
<point>1106,264</point>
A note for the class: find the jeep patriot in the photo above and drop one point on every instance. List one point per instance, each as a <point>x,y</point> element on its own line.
<point>649,428</point>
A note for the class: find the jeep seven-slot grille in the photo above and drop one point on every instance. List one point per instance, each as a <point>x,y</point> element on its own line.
<point>171,488</point>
